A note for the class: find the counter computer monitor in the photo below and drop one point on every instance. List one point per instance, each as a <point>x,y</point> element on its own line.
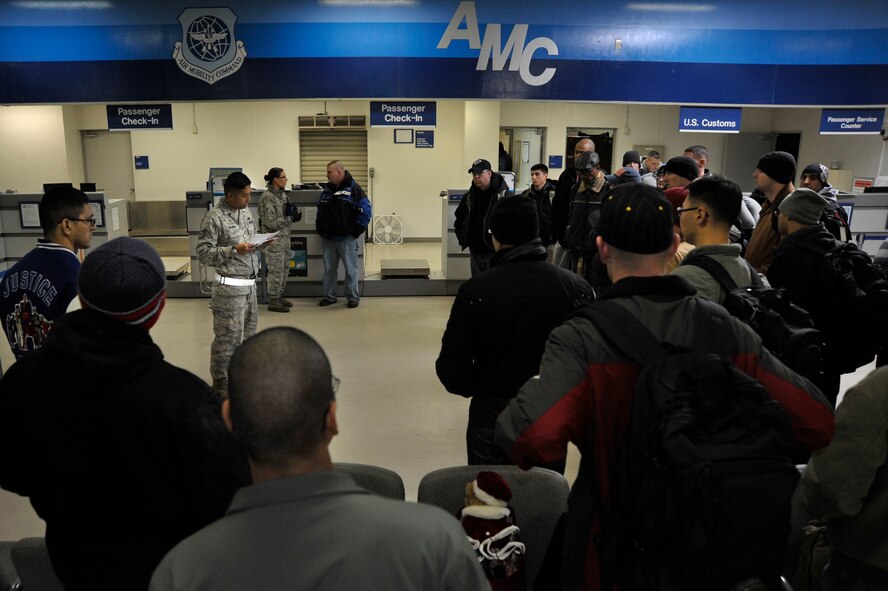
<point>88,187</point>
<point>48,186</point>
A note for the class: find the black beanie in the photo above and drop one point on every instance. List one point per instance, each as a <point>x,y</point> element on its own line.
<point>684,167</point>
<point>636,218</point>
<point>514,220</point>
<point>780,166</point>
<point>631,156</point>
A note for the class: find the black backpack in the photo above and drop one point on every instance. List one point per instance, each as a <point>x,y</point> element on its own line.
<point>835,220</point>
<point>701,494</point>
<point>786,330</point>
<point>859,326</point>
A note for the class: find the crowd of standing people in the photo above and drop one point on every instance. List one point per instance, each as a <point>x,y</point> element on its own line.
<point>153,478</point>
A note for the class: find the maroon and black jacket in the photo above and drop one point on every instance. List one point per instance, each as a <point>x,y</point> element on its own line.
<point>583,395</point>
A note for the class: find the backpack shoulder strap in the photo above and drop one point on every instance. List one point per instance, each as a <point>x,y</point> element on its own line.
<point>624,332</point>
<point>721,276</point>
<point>754,278</point>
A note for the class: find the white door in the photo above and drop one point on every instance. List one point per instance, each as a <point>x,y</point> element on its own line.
<point>108,162</point>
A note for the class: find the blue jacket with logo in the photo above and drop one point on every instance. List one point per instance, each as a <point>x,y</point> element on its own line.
<point>35,292</point>
<point>343,211</point>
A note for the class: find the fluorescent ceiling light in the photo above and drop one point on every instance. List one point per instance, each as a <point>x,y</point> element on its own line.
<point>368,2</point>
<point>62,4</point>
<point>657,7</point>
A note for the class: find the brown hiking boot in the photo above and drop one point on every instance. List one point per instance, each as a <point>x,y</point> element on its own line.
<point>285,302</point>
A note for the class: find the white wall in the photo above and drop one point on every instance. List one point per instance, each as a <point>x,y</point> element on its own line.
<point>408,180</point>
<point>862,155</point>
<point>32,148</point>
<point>42,143</point>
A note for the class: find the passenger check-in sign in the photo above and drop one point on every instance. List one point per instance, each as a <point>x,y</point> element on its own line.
<point>402,114</point>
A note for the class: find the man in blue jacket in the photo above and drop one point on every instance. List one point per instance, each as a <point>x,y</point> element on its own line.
<point>343,215</point>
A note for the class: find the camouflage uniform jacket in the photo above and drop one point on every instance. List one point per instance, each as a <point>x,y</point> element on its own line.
<point>221,229</point>
<point>271,213</point>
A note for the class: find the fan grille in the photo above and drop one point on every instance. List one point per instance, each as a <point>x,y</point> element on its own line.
<point>388,229</point>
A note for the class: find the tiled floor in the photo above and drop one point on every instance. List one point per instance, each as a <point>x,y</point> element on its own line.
<point>428,251</point>
<point>393,410</point>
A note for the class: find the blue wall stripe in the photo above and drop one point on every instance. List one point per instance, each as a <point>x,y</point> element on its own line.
<point>346,40</point>
<point>161,80</point>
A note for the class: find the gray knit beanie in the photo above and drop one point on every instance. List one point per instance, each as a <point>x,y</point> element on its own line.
<point>803,206</point>
<point>125,279</point>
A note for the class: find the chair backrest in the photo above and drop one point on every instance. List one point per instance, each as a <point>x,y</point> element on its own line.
<point>539,497</point>
<point>9,580</point>
<point>31,560</point>
<point>380,481</point>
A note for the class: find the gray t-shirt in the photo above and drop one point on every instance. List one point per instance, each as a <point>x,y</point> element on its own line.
<point>321,531</point>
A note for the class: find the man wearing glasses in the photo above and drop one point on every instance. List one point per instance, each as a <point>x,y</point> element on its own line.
<point>38,289</point>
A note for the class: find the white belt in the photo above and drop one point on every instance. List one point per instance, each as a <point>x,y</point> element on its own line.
<point>234,281</point>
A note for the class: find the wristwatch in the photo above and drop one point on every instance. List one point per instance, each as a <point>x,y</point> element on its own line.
<point>234,251</point>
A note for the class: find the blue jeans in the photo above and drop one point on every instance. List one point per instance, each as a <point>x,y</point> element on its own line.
<point>347,251</point>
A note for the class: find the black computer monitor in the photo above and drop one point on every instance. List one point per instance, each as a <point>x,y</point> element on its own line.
<point>48,186</point>
<point>88,187</point>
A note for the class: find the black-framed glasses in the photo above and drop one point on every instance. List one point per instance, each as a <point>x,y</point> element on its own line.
<point>90,221</point>
<point>681,210</point>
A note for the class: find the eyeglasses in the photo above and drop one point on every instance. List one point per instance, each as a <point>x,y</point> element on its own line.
<point>281,177</point>
<point>90,221</point>
<point>681,210</point>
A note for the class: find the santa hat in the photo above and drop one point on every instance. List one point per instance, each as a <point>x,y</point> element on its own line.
<point>492,489</point>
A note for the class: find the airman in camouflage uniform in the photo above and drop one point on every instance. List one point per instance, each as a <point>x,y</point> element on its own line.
<point>275,217</point>
<point>224,244</point>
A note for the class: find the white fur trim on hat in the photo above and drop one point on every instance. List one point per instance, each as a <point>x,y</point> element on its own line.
<point>486,512</point>
<point>487,498</point>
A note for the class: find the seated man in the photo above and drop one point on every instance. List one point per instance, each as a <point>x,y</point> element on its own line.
<point>847,483</point>
<point>122,454</point>
<point>301,525</point>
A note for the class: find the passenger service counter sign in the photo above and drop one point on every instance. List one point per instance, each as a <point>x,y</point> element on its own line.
<point>709,119</point>
<point>851,121</point>
<point>209,50</point>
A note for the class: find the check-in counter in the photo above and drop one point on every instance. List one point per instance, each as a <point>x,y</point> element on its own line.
<point>20,225</point>
<point>869,218</point>
<point>455,263</point>
<point>305,282</point>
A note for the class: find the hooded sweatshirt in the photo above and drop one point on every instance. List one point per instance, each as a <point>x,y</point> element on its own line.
<point>122,454</point>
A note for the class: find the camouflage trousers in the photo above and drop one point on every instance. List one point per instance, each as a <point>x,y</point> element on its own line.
<point>234,320</point>
<point>277,257</point>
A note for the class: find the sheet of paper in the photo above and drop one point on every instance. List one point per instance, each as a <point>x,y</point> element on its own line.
<point>259,239</point>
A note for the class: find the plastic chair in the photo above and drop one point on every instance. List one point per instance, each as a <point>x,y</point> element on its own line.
<point>539,497</point>
<point>9,580</point>
<point>380,481</point>
<point>31,560</point>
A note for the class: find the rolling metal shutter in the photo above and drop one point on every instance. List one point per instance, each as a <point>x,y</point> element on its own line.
<point>318,147</point>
